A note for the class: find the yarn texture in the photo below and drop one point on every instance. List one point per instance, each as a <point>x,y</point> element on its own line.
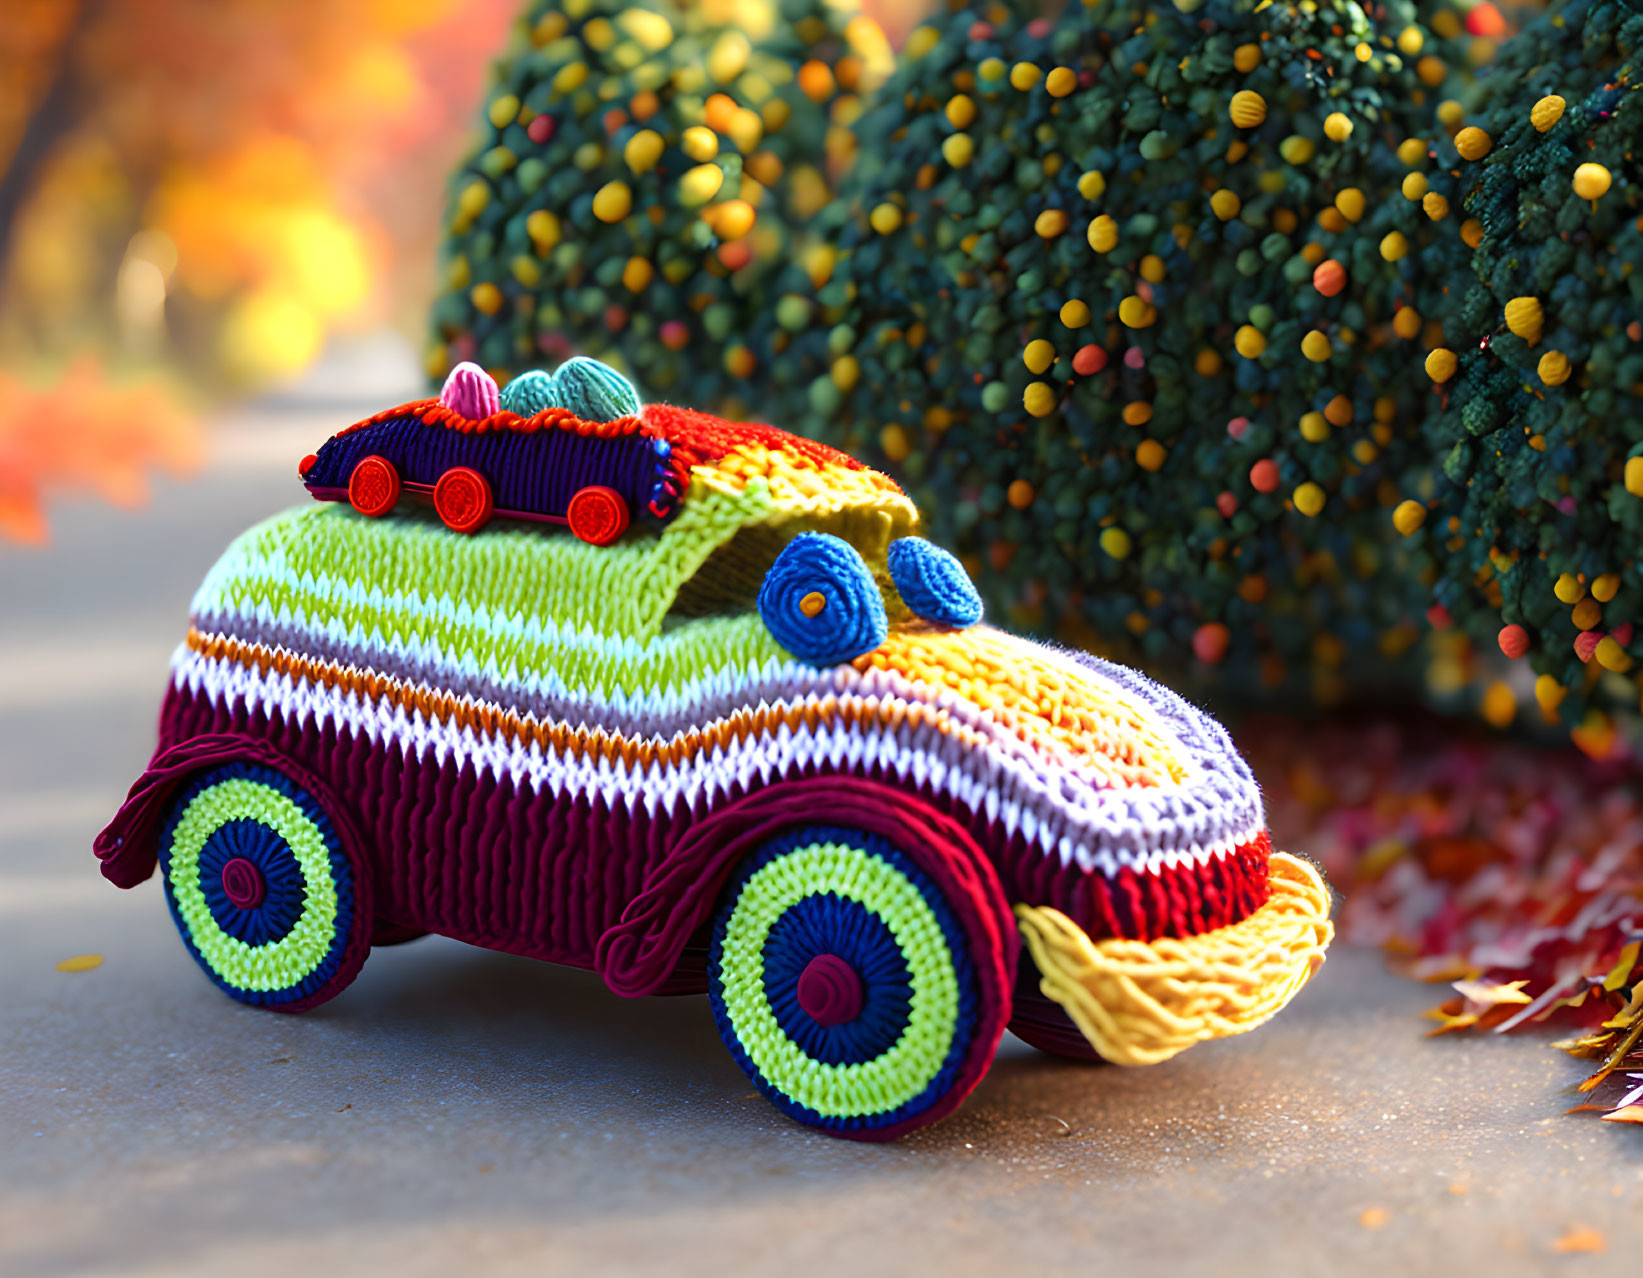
<point>729,720</point>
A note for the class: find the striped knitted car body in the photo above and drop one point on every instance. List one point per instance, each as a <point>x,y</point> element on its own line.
<point>575,753</point>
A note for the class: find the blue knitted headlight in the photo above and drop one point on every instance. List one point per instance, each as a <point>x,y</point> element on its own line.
<point>820,603</point>
<point>933,583</point>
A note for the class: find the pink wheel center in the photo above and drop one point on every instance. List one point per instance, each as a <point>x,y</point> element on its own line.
<point>243,884</point>
<point>830,991</point>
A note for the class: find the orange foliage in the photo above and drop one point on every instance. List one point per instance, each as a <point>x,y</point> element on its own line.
<point>212,188</point>
<point>84,433</point>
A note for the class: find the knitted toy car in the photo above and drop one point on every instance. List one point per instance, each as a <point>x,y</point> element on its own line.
<point>761,747</point>
<point>465,453</point>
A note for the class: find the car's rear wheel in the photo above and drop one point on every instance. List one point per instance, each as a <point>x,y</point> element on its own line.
<point>462,498</point>
<point>862,986</point>
<point>373,487</point>
<point>261,887</point>
<point>598,515</point>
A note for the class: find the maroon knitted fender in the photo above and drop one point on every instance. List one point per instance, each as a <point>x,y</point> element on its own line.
<point>636,955</point>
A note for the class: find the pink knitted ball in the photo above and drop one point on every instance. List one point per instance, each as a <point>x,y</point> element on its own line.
<point>470,391</point>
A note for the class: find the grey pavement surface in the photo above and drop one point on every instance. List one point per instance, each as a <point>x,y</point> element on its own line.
<point>462,1112</point>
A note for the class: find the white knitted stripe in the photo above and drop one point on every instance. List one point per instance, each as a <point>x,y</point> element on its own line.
<point>1099,830</point>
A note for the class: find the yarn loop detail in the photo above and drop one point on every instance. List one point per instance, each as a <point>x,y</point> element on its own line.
<point>850,620</point>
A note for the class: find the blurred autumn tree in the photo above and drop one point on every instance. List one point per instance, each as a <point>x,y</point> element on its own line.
<point>194,194</point>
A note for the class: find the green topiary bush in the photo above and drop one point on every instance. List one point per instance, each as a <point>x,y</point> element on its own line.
<point>643,170</point>
<point>1120,296</point>
<point>1533,472</point>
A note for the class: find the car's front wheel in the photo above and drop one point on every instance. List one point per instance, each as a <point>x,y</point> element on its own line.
<point>861,986</point>
<point>262,888</point>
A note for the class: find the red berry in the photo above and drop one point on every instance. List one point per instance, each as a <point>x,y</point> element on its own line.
<point>1227,504</point>
<point>1329,278</point>
<point>1486,20</point>
<point>675,334</point>
<point>1089,359</point>
<point>1514,640</point>
<point>1237,427</point>
<point>1586,644</point>
<point>1209,642</point>
<point>1263,475</point>
<point>540,129</point>
<point>1437,616</point>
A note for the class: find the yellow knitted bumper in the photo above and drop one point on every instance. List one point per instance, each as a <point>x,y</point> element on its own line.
<point>1141,1002</point>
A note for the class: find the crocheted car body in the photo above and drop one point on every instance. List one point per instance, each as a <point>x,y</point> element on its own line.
<point>576,753</point>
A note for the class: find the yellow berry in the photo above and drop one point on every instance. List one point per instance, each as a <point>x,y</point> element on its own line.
<point>1411,41</point>
<point>1152,269</point>
<point>1091,185</point>
<point>644,148</point>
<point>1038,356</point>
<point>1435,206</point>
<point>1407,323</point>
<point>1024,75</point>
<point>1039,399</point>
<point>1591,181</point>
<point>961,111</point>
<point>1076,314</point>
<point>1102,234</point>
<point>1634,476</point>
<point>1350,203</point>
<point>1547,112</point>
<point>958,150</point>
<point>1061,81</point>
<point>700,184</point>
<point>1225,204</point>
<point>1473,143</point>
<point>1314,427</point>
<point>1116,542</point>
<point>1408,517</point>
<point>1337,126</point>
<point>699,142</point>
<point>1606,587</point>
<point>1149,454</point>
<point>1050,223</point>
<point>885,218</point>
<point>612,202</point>
<point>1246,57</point>
<point>1249,341</point>
<point>1132,313</point>
<point>1568,589</point>
<point>1499,706</point>
<point>1414,186</point>
<point>1611,656</point>
<point>1587,613</point>
<point>487,298</point>
<point>1315,346</point>
<point>1441,364</point>
<point>1549,693</point>
<point>1020,494</point>
<point>1297,149</point>
<point>1524,317</point>
<point>1247,108</point>
<point>1309,499</point>
<point>1394,246</point>
<point>1412,151</point>
<point>1553,368</point>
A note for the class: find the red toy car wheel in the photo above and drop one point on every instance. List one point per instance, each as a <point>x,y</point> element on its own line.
<point>463,499</point>
<point>598,515</point>
<point>373,488</point>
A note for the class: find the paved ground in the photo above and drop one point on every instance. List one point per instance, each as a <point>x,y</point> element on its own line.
<point>462,1112</point>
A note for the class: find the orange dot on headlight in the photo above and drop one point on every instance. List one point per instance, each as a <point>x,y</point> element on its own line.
<point>813,603</point>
